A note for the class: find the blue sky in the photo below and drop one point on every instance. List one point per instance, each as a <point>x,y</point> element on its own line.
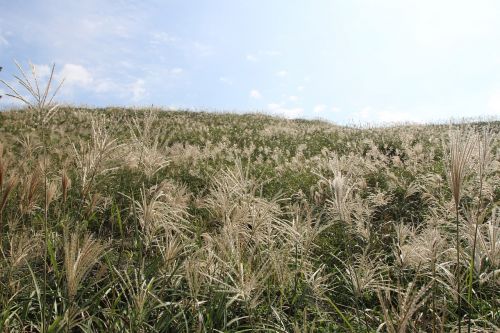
<point>346,61</point>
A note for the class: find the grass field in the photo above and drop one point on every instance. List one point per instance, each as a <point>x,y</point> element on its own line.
<point>122,220</point>
<point>149,221</point>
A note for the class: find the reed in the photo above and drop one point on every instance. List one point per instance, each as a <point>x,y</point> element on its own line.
<point>460,151</point>
<point>123,220</point>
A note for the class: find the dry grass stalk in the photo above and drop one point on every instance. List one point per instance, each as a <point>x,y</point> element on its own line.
<point>42,98</point>
<point>138,292</point>
<point>4,192</point>
<point>79,258</point>
<point>460,150</point>
<point>400,318</point>
<point>23,246</point>
<point>93,160</point>
<point>65,185</point>
<point>11,184</point>
<point>162,207</point>
<point>145,152</point>
<point>341,194</point>
<point>30,192</point>
<point>4,163</point>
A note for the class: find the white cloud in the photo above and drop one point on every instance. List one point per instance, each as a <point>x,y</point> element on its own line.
<point>75,75</point>
<point>365,113</point>
<point>202,50</point>
<point>270,53</point>
<point>176,71</point>
<point>336,109</point>
<point>300,88</point>
<point>255,94</point>
<point>396,117</point>
<point>189,47</point>
<point>251,58</point>
<point>320,108</point>
<point>427,113</point>
<point>282,73</point>
<point>162,38</point>
<point>226,80</point>
<point>126,64</point>
<point>280,110</point>
<point>105,86</point>
<point>119,26</point>
<point>42,71</point>
<point>78,77</point>
<point>293,98</point>
<point>254,57</point>
<point>137,89</point>
<point>370,115</point>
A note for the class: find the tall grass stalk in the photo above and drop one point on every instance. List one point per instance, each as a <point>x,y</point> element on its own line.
<point>79,258</point>
<point>483,158</point>
<point>39,102</point>
<point>460,150</point>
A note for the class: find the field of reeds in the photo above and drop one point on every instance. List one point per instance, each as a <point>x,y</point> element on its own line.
<point>143,220</point>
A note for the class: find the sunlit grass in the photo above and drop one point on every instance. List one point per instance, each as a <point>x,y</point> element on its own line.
<point>124,220</point>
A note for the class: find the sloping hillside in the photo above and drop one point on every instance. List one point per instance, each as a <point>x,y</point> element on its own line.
<point>147,220</point>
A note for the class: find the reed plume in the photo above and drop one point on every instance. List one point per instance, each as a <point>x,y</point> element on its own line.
<point>460,150</point>
<point>79,258</point>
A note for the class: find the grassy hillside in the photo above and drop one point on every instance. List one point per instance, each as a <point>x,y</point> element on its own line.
<point>149,221</point>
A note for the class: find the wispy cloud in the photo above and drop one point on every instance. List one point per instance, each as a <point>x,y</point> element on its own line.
<point>138,90</point>
<point>282,73</point>
<point>255,94</point>
<point>162,40</point>
<point>42,70</point>
<point>202,49</point>
<point>78,78</point>
<point>118,26</point>
<point>251,58</point>
<point>111,52</point>
<point>226,80</point>
<point>107,85</point>
<point>320,108</point>
<point>368,114</point>
<point>257,56</point>
<point>281,110</point>
<point>162,37</point>
<point>177,71</point>
<point>323,109</point>
<point>386,116</point>
<point>270,53</point>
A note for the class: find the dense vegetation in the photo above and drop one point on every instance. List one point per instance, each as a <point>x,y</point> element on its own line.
<point>115,220</point>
